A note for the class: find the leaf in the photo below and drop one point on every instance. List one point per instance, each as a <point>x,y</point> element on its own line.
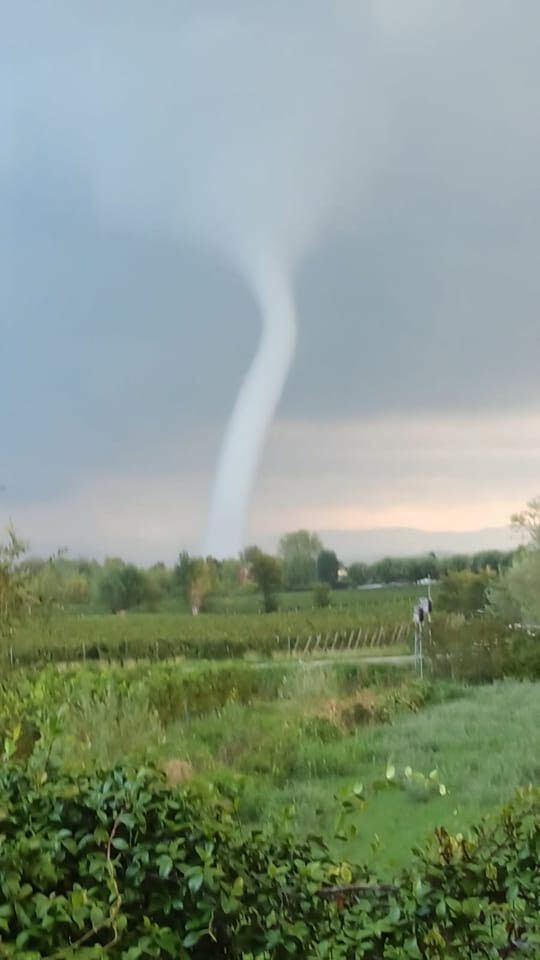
<point>195,882</point>
<point>193,937</point>
<point>165,865</point>
<point>237,888</point>
<point>120,844</point>
<point>97,917</point>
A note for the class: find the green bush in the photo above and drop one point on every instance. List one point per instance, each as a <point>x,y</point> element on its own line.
<point>121,865</point>
<point>321,595</point>
<point>463,591</point>
<point>483,650</point>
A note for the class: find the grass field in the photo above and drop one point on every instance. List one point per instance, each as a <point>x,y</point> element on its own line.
<point>293,734</point>
<point>289,756</point>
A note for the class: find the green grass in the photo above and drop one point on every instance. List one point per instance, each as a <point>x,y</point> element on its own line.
<point>296,734</point>
<point>483,745</point>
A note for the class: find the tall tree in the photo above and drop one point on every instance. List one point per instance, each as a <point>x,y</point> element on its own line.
<point>528,521</point>
<point>266,572</point>
<point>16,596</point>
<point>299,551</point>
<point>328,567</point>
<point>195,577</point>
<point>516,595</point>
<point>122,587</point>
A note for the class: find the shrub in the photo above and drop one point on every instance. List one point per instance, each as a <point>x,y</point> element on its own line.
<point>321,595</point>
<point>122,865</point>
<point>483,650</point>
<point>463,591</point>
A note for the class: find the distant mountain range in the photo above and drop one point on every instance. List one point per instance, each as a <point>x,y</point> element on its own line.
<point>370,545</point>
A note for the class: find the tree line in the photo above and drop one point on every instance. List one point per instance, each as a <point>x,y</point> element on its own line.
<point>301,562</point>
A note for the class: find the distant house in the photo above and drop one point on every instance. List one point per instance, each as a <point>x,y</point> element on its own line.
<point>342,573</point>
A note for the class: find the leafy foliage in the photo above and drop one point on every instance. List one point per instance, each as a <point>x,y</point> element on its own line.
<point>16,597</point>
<point>528,522</point>
<point>119,864</point>
<point>122,586</point>
<point>463,591</point>
<point>267,573</point>
<point>327,567</point>
<point>321,595</point>
<point>517,595</point>
<point>483,650</point>
<point>299,551</point>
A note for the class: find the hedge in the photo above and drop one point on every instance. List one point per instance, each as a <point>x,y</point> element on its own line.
<point>121,865</point>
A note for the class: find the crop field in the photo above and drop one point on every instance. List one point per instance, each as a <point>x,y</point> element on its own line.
<point>70,637</point>
<point>380,603</point>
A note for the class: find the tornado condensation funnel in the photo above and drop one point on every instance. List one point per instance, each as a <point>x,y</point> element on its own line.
<point>253,413</point>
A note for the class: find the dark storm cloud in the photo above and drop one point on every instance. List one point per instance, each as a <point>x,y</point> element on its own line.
<point>396,155</point>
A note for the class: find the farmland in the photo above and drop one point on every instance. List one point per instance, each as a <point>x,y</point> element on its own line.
<point>270,730</point>
<point>375,617</point>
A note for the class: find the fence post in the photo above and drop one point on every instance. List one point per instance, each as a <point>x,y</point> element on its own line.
<point>335,641</point>
<point>306,648</point>
<point>11,655</point>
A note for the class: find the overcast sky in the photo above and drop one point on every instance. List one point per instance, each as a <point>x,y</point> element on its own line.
<point>388,150</point>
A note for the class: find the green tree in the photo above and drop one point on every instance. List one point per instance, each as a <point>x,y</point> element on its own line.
<point>516,595</point>
<point>122,586</point>
<point>201,582</point>
<point>523,585</point>
<point>388,570</point>
<point>158,586</point>
<point>359,573</point>
<point>195,578</point>
<point>463,591</point>
<point>321,595</point>
<point>458,561</point>
<point>327,567</point>
<point>299,552</point>
<point>267,573</point>
<point>528,522</point>
<point>229,575</point>
<point>182,572</point>
<point>492,560</point>
<point>16,597</point>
